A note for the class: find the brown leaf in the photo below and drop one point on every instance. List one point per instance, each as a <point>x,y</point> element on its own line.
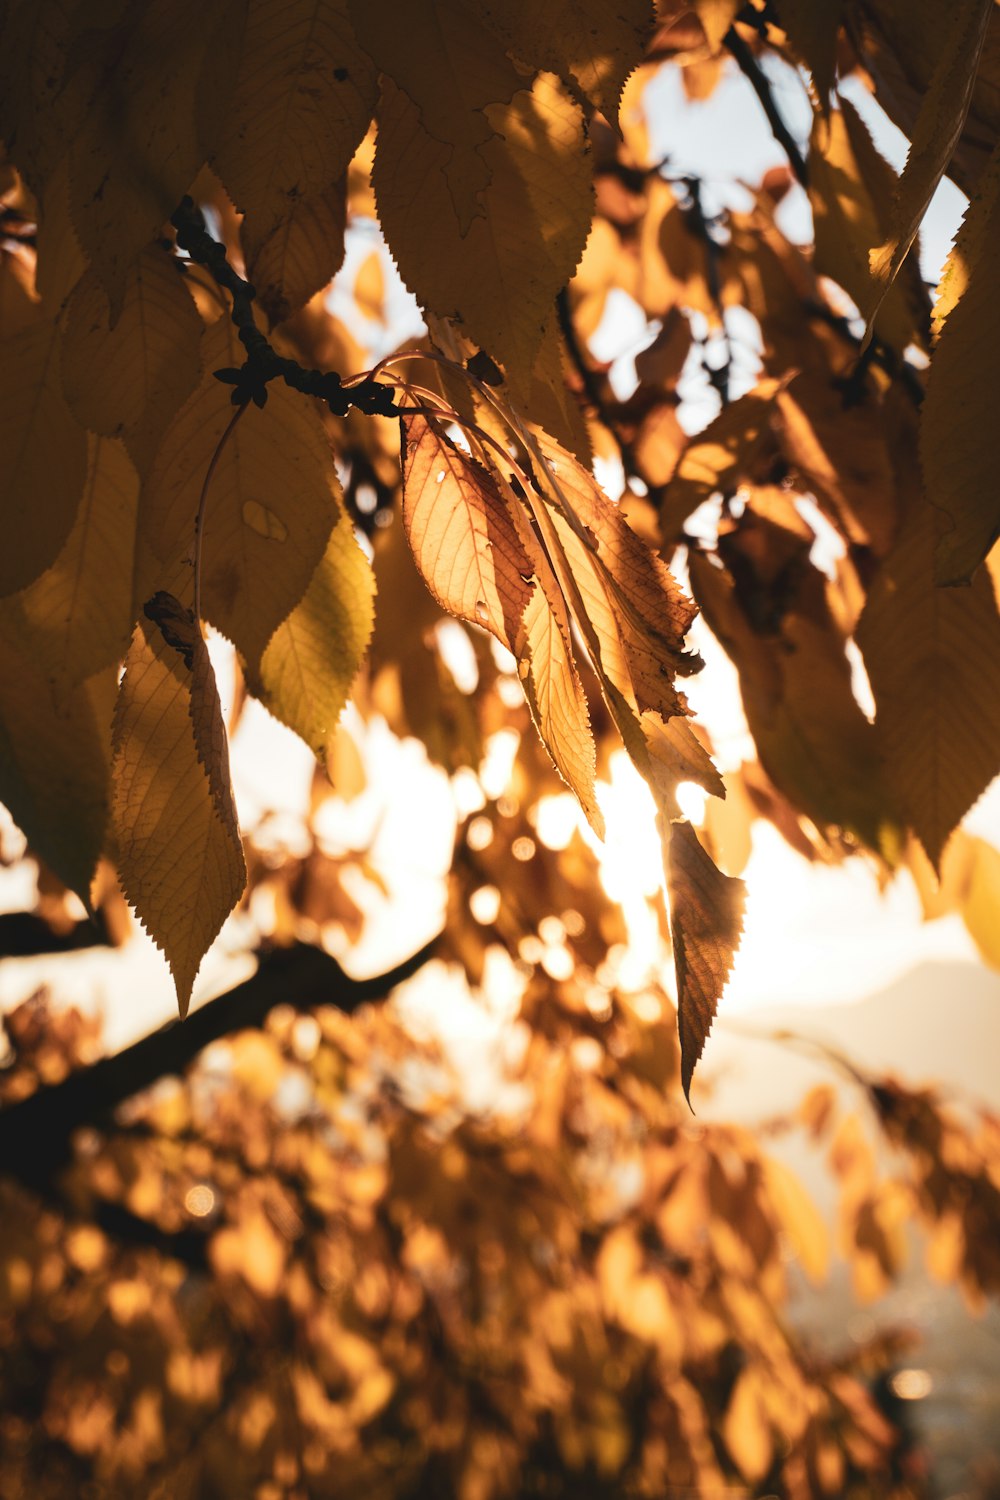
<point>180,855</point>
<point>706,921</point>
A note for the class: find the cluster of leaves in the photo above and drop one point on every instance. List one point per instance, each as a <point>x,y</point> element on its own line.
<point>139,503</point>
<point>308,1268</point>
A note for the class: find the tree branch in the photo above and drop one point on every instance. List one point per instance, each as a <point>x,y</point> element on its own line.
<point>263,363</point>
<point>753,72</point>
<point>35,1133</point>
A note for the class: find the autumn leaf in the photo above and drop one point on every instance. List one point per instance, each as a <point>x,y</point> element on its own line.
<point>174,822</point>
<point>410,48</point>
<point>45,456</point>
<point>301,254</point>
<point>498,275</point>
<point>130,380</point>
<point>462,538</point>
<point>933,659</point>
<point>706,920</point>
<point>305,674</point>
<point>269,509</point>
<point>142,75</point>
<point>936,132</point>
<point>54,761</point>
<point>76,618</point>
<point>959,447</point>
<point>593,45</point>
<point>282,138</point>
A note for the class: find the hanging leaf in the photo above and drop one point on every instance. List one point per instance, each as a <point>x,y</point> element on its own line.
<point>462,538</point>
<point>142,75</point>
<point>933,660</point>
<point>557,702</point>
<point>270,506</point>
<point>730,450</point>
<point>936,132</point>
<point>54,763</point>
<point>130,380</point>
<point>959,436</point>
<point>593,45</point>
<point>301,100</point>
<point>76,618</point>
<point>498,277</point>
<point>305,674</point>
<point>812,27</point>
<point>300,256</point>
<point>706,921</point>
<point>179,851</point>
<point>45,456</point>
<point>451,68</point>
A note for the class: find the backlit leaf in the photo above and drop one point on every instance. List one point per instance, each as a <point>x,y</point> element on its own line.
<point>270,505</point>
<point>54,762</point>
<point>799,1218</point>
<point>959,435</point>
<point>719,459</point>
<point>936,133</point>
<point>812,27</point>
<point>129,381</point>
<point>179,851</point>
<point>557,702</point>
<point>300,256</point>
<point>45,456</point>
<point>445,40</point>
<point>303,95</point>
<point>592,44</point>
<point>499,277</point>
<point>77,616</point>
<point>706,920</point>
<point>462,537</point>
<point>933,660</point>
<point>309,664</point>
<point>142,73</point>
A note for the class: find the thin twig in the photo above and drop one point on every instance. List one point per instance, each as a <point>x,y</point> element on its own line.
<point>752,71</point>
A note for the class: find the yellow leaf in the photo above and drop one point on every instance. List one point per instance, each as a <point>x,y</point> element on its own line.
<point>451,68</point>
<point>936,132</point>
<point>716,17</point>
<point>746,1429</point>
<point>798,1217</point>
<point>308,666</point>
<point>462,537</point>
<point>592,44</point>
<point>812,738</point>
<point>54,762</point>
<point>77,616</point>
<point>933,660</point>
<point>44,456</point>
<point>812,27</point>
<point>270,506</point>
<point>300,256</point>
<point>706,920</point>
<point>499,276</point>
<point>557,702</point>
<point>850,185</point>
<point>130,380</point>
<point>61,261</point>
<point>719,459</point>
<point>134,149</point>
<point>636,612</point>
<point>303,95</point>
<point>179,852</point>
<point>959,436</point>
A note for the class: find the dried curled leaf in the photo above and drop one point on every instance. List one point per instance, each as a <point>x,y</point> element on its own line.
<point>706,921</point>
<point>179,851</point>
